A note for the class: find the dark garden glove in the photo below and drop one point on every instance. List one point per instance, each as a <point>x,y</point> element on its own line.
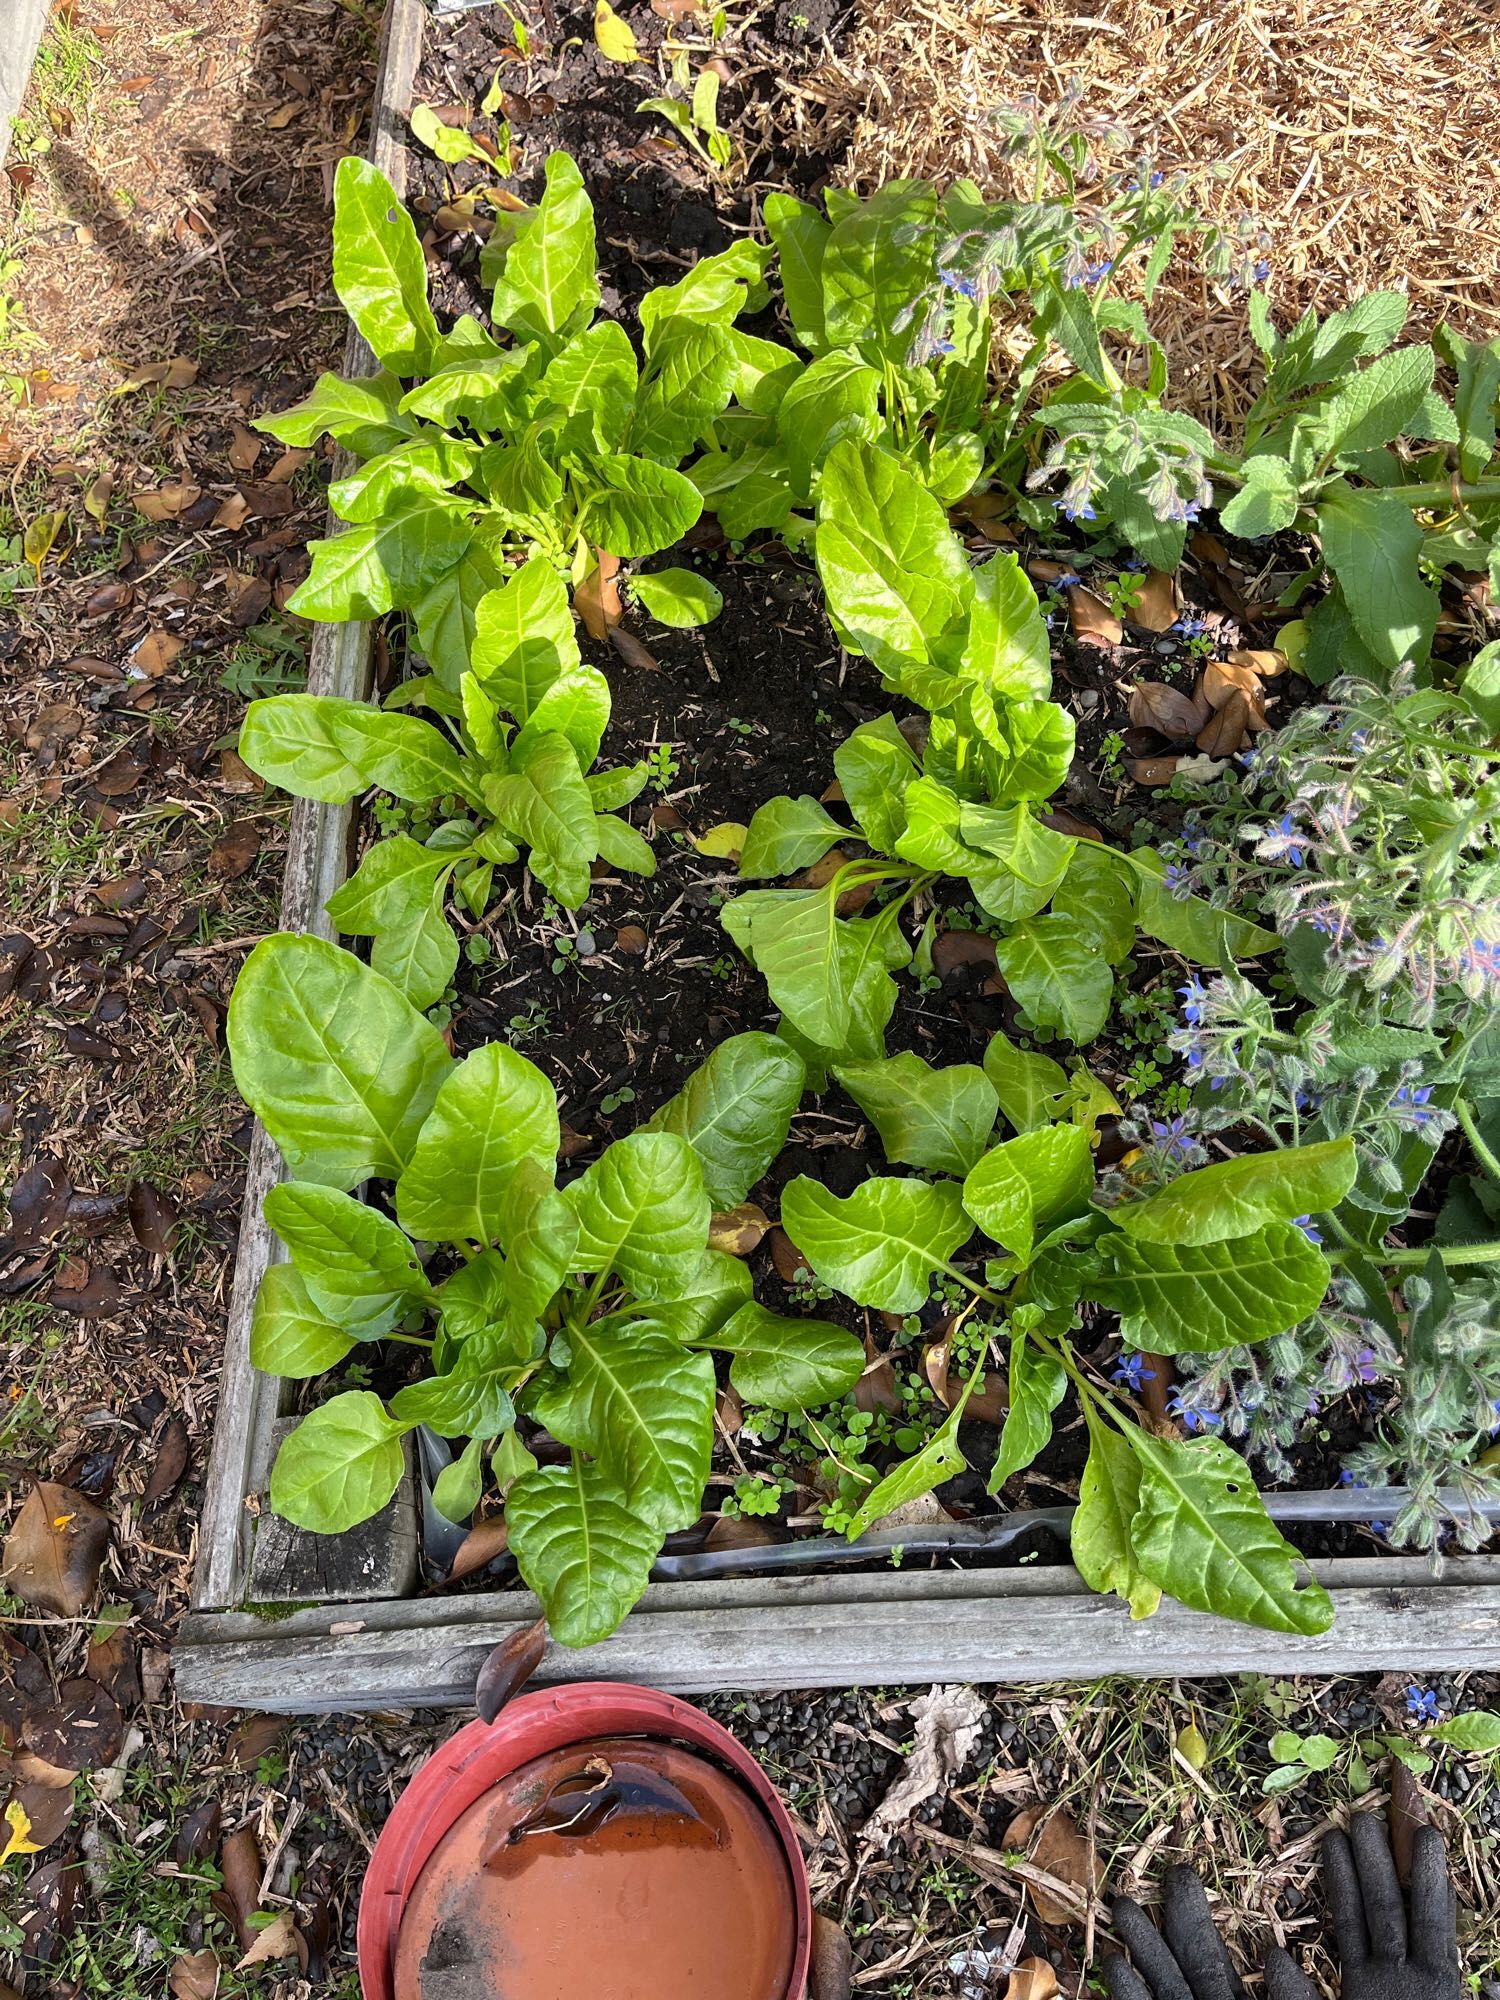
<point>1383,1953</point>
<point>1184,1960</point>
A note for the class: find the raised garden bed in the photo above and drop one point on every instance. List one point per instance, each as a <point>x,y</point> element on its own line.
<point>748,704</point>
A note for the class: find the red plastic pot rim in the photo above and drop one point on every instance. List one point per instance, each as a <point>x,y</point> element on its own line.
<point>474,1760</point>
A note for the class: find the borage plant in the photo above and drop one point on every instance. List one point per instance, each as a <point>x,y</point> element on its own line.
<point>1217,1258</point>
<point>555,439</point>
<point>506,766</point>
<point>589,1308</point>
<point>969,646</point>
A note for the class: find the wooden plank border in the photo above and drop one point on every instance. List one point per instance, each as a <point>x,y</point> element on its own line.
<point>881,1629</point>
<point>804,1631</point>
<point>319,841</point>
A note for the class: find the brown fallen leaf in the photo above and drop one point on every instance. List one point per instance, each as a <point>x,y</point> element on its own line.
<point>632,651</point>
<point>952,949</point>
<point>109,599</point>
<point>233,513</point>
<point>194,1976</point>
<point>52,726</point>
<point>256,1737</point>
<point>743,1533</point>
<point>48,1809</point>
<point>171,1461</point>
<point>832,1954</point>
<point>1155,608</point>
<point>1167,710</point>
<point>177,373</point>
<point>949,1721</point>
<point>240,1866</point>
<point>786,1259</point>
<point>39,1199</point>
<point>509,1668</point>
<point>1408,1811</point>
<point>166,503</point>
<point>244,449</point>
<point>631,940</point>
<point>1265,661</point>
<point>273,1941</point>
<point>156,653</point>
<point>1063,1852</point>
<point>153,1218</point>
<point>729,1411</point>
<point>485,1540</point>
<point>235,775</point>
<point>235,849</point>
<point>1152,770</point>
<point>597,598</point>
<point>198,1833</point>
<point>738,1230</point>
<point>53,1554</point>
<point>666,818</point>
<point>51,1910</point>
<point>290,461</point>
<point>120,774</point>
<point>1033,1979</point>
<point>111,1657</point>
<point>1223,679</point>
<point>1225,730</point>
<point>92,667</point>
<point>81,1730</point>
<point>877,1388</point>
<point>935,1358</point>
<point>1092,618</point>
<point>278,120</point>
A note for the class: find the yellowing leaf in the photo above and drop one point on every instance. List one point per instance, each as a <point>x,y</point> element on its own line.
<point>41,534</point>
<point>615,37</point>
<point>19,1840</point>
<point>1292,640</point>
<point>723,842</point>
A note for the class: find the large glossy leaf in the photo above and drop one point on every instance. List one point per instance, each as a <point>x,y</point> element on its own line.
<point>1190,924</point>
<point>937,1119</point>
<point>642,1213</point>
<point>1006,647</point>
<point>596,373</point>
<point>637,506</point>
<point>1037,1386</point>
<point>495,1110</point>
<point>1201,1531</point>
<point>391,887</point>
<point>540,1232</point>
<point>1033,859</point>
<point>874,765</point>
<point>802,949</point>
<point>709,1300</point>
<point>471,1400</point>
<point>354,1261</point>
<point>786,834</point>
<point>387,564</point>
<point>288,1335</point>
<point>892,569</point>
<point>291,740</point>
<point>686,386</point>
<point>788,1364</point>
<point>362,414</point>
<point>1199,1298</point>
<point>1108,1495</point>
<point>524,638</point>
<point>734,1111</point>
<point>581,1547</point>
<point>882,1244</point>
<point>1032,1088</point>
<point>339,1466</point>
<point>430,463</point>
<point>419,958</point>
<point>548,806</point>
<point>1021,1191</point>
<point>1035,744</point>
<point>939,1459</point>
<point>801,237</point>
<point>1234,1197</point>
<point>1057,976</point>
<point>447,614</point>
<point>575,707</point>
<point>400,753</point>
<point>837,397</point>
<point>644,1411</point>
<point>548,278</point>
<point>339,1068</point>
<point>488,390</point>
<point>877,265</point>
<point>378,268</point>
<point>1098,896</point>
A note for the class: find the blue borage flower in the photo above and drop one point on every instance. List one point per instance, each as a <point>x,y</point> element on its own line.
<point>1190,626</point>
<point>1309,1229</point>
<point>1082,512</point>
<point>1410,1104</point>
<point>1422,1703</point>
<point>1132,1373</point>
<point>1194,1000</point>
<point>1194,1420</point>
<point>1173,1138</point>
<point>957,282</point>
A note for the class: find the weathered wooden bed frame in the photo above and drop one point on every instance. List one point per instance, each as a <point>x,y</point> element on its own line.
<point>389,1650</point>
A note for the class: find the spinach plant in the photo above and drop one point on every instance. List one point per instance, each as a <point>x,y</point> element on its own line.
<point>589,1309</point>
<point>969,646</point>
<point>505,764</point>
<point>1215,1258</point>
<point>555,439</point>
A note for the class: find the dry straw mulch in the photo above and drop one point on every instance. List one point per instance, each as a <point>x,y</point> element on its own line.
<point>1362,135</point>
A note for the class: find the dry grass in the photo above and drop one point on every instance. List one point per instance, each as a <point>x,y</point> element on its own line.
<point>1363,135</point>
